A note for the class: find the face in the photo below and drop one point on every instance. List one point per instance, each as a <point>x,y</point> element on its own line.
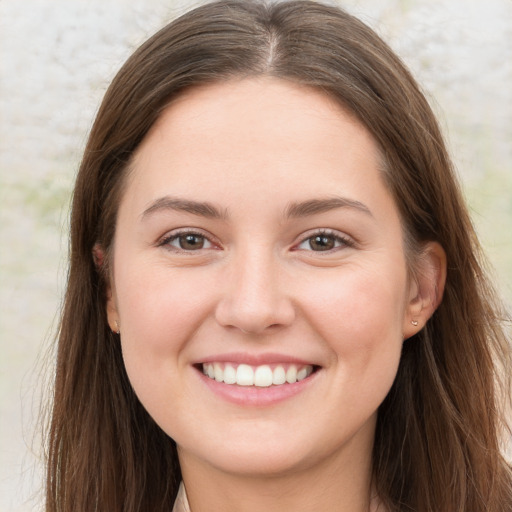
<point>259,278</point>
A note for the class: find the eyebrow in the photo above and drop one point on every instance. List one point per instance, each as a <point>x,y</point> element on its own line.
<point>315,206</point>
<point>294,210</point>
<point>203,209</point>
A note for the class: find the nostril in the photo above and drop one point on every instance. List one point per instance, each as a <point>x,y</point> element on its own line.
<point>250,331</point>
<point>254,313</point>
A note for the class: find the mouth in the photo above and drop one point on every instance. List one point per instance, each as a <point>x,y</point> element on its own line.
<point>261,376</point>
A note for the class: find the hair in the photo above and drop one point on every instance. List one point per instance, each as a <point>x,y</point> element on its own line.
<point>437,444</point>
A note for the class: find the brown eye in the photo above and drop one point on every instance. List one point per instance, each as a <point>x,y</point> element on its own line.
<point>322,242</point>
<point>188,242</point>
<point>191,242</point>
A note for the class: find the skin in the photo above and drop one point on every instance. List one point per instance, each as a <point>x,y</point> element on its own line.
<point>253,283</point>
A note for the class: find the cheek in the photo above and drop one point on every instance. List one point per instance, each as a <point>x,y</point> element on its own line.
<point>159,311</point>
<point>364,302</point>
<point>359,316</point>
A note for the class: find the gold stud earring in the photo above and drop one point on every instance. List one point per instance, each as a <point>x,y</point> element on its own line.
<point>118,331</point>
<point>414,322</point>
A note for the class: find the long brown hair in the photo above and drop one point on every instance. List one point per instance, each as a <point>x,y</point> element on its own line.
<point>437,445</point>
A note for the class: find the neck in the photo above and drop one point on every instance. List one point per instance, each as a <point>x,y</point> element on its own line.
<point>342,484</point>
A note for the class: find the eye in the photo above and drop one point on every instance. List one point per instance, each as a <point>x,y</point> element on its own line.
<point>187,241</point>
<point>324,241</point>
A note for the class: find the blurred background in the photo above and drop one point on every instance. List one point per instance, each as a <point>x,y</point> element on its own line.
<point>56,60</point>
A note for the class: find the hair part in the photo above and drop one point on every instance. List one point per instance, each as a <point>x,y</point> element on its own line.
<point>437,443</point>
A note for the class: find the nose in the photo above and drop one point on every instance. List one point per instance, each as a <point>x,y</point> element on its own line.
<point>254,298</point>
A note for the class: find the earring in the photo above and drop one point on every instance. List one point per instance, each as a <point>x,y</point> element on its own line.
<point>413,322</point>
<point>117,327</point>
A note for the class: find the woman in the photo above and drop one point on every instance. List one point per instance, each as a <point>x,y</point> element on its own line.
<point>275,299</point>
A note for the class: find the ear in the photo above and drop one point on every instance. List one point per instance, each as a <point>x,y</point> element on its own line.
<point>112,314</point>
<point>426,288</point>
<point>98,255</point>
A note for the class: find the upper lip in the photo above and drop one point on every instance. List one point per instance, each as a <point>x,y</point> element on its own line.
<point>254,359</point>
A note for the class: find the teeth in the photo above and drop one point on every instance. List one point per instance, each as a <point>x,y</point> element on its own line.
<point>301,374</point>
<point>278,376</point>
<point>218,373</point>
<point>291,374</point>
<point>229,374</point>
<point>263,376</point>
<point>260,376</point>
<point>245,375</point>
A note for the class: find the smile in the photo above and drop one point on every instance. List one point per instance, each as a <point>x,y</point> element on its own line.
<point>262,376</point>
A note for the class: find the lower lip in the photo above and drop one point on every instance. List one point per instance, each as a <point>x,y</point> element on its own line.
<point>254,396</point>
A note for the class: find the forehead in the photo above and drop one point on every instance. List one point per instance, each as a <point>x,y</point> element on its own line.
<point>256,98</point>
<point>254,125</point>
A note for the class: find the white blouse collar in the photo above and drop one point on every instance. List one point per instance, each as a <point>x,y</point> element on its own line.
<point>181,503</point>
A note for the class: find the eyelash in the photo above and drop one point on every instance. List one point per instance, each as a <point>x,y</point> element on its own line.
<point>175,236</point>
<point>338,238</point>
<point>341,240</point>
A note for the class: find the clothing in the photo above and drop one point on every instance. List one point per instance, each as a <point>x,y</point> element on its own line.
<point>181,503</point>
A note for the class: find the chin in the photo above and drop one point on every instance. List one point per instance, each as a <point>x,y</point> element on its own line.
<point>265,455</point>
<point>261,464</point>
